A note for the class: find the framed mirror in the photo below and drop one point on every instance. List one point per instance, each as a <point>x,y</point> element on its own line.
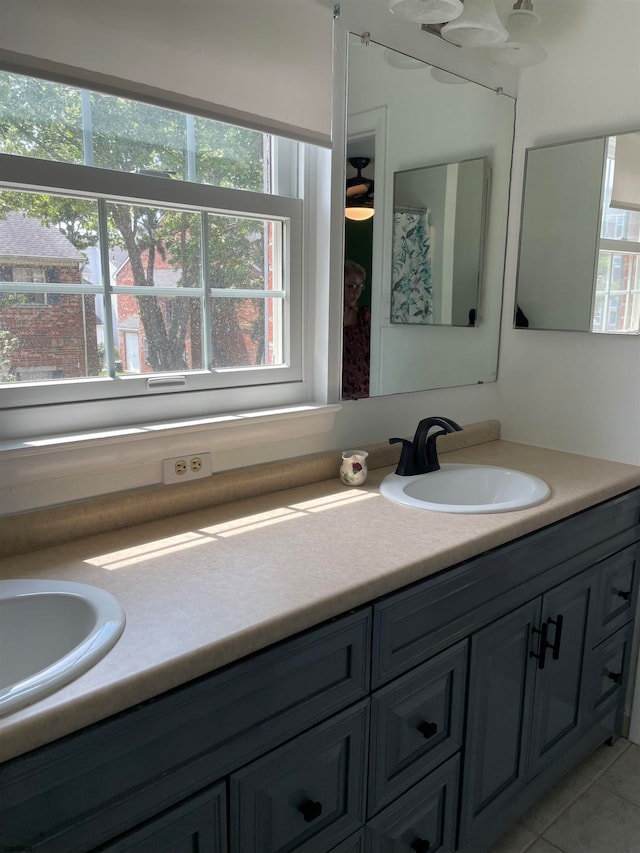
<point>438,241</point>
<point>409,120</point>
<point>579,254</point>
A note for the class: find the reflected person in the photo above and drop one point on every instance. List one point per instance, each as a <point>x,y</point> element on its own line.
<point>356,335</point>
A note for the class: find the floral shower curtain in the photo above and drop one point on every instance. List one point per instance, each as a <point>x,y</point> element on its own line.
<point>411,299</point>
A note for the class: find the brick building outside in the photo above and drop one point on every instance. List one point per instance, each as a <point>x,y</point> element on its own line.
<point>54,334</point>
<point>59,335</point>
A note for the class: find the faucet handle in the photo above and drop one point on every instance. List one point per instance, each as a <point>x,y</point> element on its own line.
<point>405,465</point>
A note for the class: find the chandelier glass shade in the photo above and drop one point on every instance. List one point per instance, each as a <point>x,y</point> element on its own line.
<point>426,11</point>
<point>522,48</point>
<point>477,26</point>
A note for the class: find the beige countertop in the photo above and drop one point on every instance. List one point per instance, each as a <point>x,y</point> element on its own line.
<point>203,589</point>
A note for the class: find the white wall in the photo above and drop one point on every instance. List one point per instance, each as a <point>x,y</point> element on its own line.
<point>285,47</point>
<point>571,390</point>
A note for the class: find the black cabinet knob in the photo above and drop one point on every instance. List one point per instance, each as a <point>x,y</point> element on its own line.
<point>310,810</point>
<point>616,677</point>
<point>420,845</point>
<point>624,593</point>
<point>428,729</point>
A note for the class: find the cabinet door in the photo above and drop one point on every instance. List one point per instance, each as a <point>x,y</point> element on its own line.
<point>558,711</point>
<point>499,710</point>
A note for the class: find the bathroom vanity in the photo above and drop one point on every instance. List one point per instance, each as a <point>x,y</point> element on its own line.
<point>425,717</point>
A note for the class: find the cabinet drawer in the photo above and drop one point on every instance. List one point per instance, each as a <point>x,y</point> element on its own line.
<point>618,581</point>
<point>143,761</point>
<point>424,819</point>
<point>307,795</point>
<point>416,724</point>
<point>200,823</point>
<point>607,673</point>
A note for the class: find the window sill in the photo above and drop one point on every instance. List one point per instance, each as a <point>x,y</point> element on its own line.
<point>41,472</point>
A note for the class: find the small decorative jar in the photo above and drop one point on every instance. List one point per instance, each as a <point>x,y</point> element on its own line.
<point>353,470</point>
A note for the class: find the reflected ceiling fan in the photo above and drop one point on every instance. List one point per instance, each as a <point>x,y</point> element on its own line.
<point>359,192</point>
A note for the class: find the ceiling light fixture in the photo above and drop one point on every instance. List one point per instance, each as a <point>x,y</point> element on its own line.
<point>522,48</point>
<point>426,11</point>
<point>359,192</point>
<point>477,26</point>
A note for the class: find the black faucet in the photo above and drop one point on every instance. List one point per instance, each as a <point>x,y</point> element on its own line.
<point>420,456</point>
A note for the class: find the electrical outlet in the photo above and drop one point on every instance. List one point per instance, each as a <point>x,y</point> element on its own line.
<point>183,469</point>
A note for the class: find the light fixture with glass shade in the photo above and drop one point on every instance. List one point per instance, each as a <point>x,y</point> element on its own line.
<point>359,192</point>
<point>522,47</point>
<point>477,26</point>
<point>426,11</point>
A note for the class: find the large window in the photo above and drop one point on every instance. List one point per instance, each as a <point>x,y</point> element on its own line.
<point>145,252</point>
<point>616,307</point>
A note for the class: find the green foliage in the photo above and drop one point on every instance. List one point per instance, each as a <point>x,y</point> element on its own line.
<point>8,345</point>
<point>8,300</point>
<point>45,120</point>
<point>40,119</point>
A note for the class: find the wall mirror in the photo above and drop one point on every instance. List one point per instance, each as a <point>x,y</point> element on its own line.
<point>409,120</point>
<point>579,256</point>
<point>438,240</point>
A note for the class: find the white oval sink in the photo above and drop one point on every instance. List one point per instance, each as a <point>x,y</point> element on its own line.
<point>50,633</point>
<point>467,488</point>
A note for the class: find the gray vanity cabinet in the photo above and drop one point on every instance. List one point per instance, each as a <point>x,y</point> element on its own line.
<point>427,720</point>
<point>541,680</point>
<point>135,769</point>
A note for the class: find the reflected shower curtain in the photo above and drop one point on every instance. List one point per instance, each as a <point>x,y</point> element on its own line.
<point>411,299</point>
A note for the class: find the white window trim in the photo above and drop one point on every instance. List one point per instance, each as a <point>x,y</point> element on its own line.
<point>281,386</point>
<point>85,181</point>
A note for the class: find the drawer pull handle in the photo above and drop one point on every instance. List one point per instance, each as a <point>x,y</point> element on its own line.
<point>624,593</point>
<point>543,644</point>
<point>311,809</point>
<point>616,677</point>
<point>420,845</point>
<point>555,653</point>
<point>428,729</point>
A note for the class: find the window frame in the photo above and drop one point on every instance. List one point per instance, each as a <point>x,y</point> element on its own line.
<point>194,392</point>
<point>612,246</point>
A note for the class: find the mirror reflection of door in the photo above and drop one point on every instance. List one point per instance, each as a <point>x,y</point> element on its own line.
<point>438,241</point>
<point>356,339</point>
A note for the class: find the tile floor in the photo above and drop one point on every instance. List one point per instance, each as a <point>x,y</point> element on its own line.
<point>595,809</point>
